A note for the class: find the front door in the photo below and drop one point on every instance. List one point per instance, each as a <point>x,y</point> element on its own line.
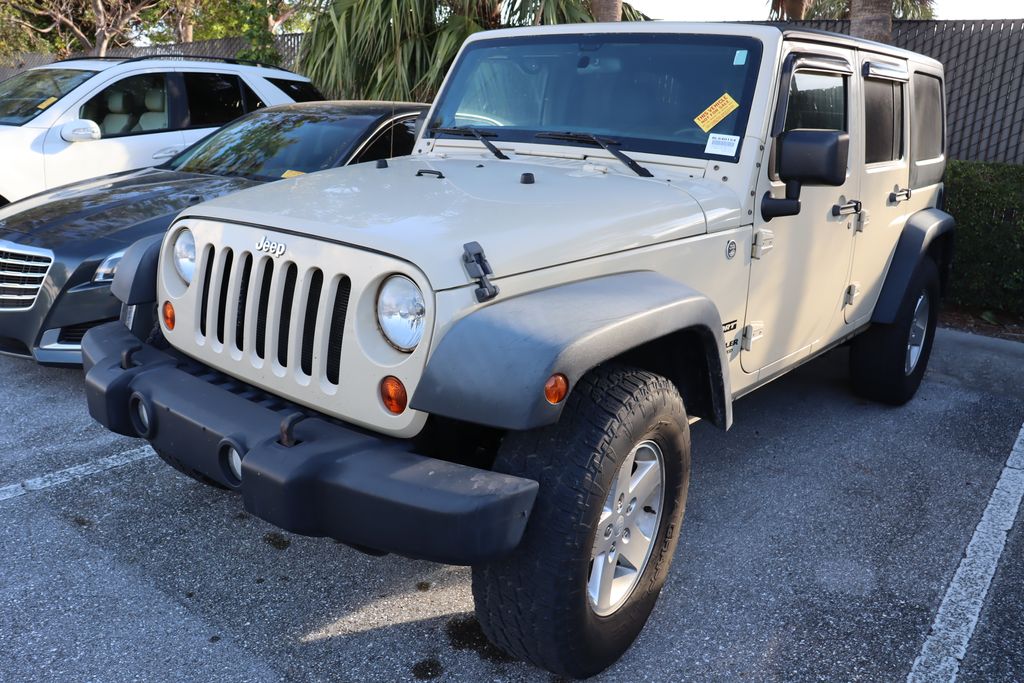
<point>885,187</point>
<point>137,120</point>
<point>800,265</point>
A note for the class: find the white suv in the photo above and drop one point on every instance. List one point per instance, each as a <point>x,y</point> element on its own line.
<point>83,118</point>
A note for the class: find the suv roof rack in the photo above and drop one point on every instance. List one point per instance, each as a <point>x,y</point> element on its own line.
<point>200,58</point>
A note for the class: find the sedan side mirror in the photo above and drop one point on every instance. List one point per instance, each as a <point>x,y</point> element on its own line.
<point>80,130</point>
<point>807,157</point>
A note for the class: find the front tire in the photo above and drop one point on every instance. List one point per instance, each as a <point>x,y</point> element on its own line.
<point>888,362</point>
<point>613,474</point>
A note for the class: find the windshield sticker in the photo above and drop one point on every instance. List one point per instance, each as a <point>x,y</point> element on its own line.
<point>292,174</point>
<point>724,145</point>
<point>740,59</point>
<point>713,115</point>
<point>46,103</point>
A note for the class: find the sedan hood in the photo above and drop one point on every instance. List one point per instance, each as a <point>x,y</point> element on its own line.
<point>423,209</point>
<point>119,208</point>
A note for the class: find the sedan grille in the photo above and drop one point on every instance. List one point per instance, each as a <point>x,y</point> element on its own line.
<point>21,277</point>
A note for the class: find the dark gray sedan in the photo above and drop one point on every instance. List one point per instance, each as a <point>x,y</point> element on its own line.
<point>59,249</point>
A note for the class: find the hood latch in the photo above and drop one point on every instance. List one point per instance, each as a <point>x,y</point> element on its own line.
<point>479,269</point>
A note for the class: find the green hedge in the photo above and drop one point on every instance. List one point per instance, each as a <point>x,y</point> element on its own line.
<point>987,201</point>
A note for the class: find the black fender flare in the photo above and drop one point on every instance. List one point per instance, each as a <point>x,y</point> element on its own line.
<point>135,280</point>
<point>919,233</point>
<point>491,366</point>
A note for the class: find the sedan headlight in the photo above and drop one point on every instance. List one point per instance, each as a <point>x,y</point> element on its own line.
<point>185,255</point>
<point>401,312</point>
<point>106,270</point>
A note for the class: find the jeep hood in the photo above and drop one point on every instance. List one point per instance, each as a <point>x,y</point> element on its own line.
<point>120,208</point>
<point>423,209</point>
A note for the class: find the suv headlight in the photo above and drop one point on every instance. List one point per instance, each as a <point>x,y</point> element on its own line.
<point>185,255</point>
<point>401,312</point>
<point>106,270</point>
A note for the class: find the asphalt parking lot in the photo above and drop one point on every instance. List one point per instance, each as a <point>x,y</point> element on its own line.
<point>822,535</point>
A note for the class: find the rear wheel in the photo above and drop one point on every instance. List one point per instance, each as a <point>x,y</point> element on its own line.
<point>613,477</point>
<point>888,362</point>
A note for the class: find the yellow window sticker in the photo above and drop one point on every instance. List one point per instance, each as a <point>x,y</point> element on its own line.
<point>719,109</point>
<point>46,103</point>
<point>292,174</point>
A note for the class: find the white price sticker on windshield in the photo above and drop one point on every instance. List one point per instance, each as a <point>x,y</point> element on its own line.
<point>724,145</point>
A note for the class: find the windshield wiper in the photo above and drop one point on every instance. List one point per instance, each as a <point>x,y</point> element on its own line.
<point>606,144</point>
<point>476,133</point>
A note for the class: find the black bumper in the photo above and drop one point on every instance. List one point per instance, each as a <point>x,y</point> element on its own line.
<point>336,481</point>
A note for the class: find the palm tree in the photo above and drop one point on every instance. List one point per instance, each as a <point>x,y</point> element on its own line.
<point>607,10</point>
<point>401,49</point>
<point>795,10</point>
<point>871,19</point>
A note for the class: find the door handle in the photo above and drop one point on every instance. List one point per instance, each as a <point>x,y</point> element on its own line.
<point>850,207</point>
<point>166,153</point>
<point>900,195</point>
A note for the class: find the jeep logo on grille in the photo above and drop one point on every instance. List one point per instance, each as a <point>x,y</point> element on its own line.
<point>267,246</point>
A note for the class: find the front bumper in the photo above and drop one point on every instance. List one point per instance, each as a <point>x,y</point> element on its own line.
<point>51,330</point>
<point>336,481</point>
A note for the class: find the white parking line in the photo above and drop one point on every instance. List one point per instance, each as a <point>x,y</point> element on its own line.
<point>72,473</point>
<point>958,614</point>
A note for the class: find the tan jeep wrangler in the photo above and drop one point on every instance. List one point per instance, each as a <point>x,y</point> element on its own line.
<point>490,352</point>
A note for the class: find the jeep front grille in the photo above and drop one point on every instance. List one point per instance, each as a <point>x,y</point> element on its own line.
<point>22,273</point>
<point>300,324</point>
<point>239,294</point>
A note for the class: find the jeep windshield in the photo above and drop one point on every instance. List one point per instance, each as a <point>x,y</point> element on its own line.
<point>679,95</point>
<point>30,93</point>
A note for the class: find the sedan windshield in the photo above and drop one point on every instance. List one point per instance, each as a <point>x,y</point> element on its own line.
<point>267,145</point>
<point>681,95</point>
<point>30,93</point>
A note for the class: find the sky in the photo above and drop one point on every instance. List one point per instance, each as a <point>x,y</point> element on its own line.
<point>757,10</point>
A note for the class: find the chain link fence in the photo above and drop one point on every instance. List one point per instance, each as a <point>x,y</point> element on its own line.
<point>984,63</point>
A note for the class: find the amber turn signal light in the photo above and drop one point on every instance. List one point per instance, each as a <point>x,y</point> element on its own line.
<point>393,393</point>
<point>556,388</point>
<point>168,315</point>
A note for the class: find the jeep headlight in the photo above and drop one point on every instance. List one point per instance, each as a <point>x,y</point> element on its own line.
<point>401,312</point>
<point>106,270</point>
<point>185,255</point>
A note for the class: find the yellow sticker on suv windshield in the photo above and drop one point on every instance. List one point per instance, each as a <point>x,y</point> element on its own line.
<point>719,109</point>
<point>46,103</point>
<point>292,174</point>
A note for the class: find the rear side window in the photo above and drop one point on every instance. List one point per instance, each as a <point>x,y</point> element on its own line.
<point>928,128</point>
<point>300,91</point>
<point>395,141</point>
<point>213,99</point>
<point>883,120</point>
<point>817,100</point>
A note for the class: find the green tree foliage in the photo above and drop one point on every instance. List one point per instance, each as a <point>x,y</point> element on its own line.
<point>840,9</point>
<point>987,200</point>
<point>401,49</point>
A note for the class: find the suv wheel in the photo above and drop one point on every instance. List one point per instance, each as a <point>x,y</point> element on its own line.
<point>613,477</point>
<point>888,361</point>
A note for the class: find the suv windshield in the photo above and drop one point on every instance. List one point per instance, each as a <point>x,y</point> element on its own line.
<point>267,145</point>
<point>30,93</point>
<point>660,93</point>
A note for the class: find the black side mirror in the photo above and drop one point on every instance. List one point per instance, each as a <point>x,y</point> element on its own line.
<point>807,157</point>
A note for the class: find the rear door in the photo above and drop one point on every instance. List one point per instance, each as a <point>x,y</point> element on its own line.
<point>885,187</point>
<point>212,99</point>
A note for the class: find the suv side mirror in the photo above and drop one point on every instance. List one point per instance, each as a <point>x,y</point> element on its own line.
<point>807,157</point>
<point>80,130</point>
